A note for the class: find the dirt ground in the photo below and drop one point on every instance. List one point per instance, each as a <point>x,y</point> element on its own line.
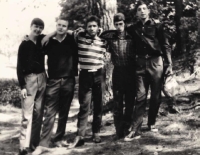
<point>178,133</point>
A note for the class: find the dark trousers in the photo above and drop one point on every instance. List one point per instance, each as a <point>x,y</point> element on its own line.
<point>123,92</point>
<point>90,89</point>
<point>58,98</point>
<point>149,72</point>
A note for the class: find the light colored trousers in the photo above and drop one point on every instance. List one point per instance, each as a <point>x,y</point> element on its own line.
<point>32,110</point>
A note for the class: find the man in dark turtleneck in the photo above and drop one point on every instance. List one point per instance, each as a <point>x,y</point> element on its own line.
<point>120,45</point>
<point>62,69</point>
<point>32,80</point>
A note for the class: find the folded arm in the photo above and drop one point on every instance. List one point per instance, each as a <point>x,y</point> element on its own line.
<point>45,40</point>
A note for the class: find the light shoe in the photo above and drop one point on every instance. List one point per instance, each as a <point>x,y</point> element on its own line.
<point>39,150</point>
<point>117,137</point>
<point>62,143</point>
<point>132,136</point>
<point>79,141</point>
<point>152,128</point>
<point>96,138</point>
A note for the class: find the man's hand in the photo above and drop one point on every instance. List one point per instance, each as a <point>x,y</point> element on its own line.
<point>46,66</point>
<point>24,93</point>
<point>45,40</point>
<point>100,31</point>
<point>78,30</point>
<point>168,70</point>
<point>25,38</point>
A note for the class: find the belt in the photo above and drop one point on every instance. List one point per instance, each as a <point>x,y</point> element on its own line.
<point>146,56</point>
<point>90,70</point>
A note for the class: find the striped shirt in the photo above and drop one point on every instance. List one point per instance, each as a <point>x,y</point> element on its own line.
<point>90,51</point>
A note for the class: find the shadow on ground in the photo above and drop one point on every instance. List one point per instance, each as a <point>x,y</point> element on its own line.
<point>178,134</point>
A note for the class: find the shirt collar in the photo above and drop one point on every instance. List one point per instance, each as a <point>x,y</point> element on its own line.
<point>95,38</point>
<point>60,40</point>
<point>125,34</point>
<point>148,22</point>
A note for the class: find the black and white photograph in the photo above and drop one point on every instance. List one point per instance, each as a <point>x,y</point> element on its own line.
<point>100,77</point>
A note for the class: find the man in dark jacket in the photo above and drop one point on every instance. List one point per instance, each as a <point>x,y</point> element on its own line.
<point>151,47</point>
<point>120,46</point>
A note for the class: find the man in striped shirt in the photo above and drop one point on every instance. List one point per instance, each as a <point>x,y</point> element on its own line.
<point>91,51</point>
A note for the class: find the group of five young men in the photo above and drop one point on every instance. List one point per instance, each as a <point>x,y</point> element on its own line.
<point>137,53</point>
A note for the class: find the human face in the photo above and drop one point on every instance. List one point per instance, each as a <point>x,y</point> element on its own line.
<point>143,12</point>
<point>36,30</point>
<point>92,28</point>
<point>61,27</point>
<point>120,25</point>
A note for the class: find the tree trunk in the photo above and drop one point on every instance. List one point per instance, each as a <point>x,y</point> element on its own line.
<point>105,10</point>
<point>180,42</point>
<point>198,21</point>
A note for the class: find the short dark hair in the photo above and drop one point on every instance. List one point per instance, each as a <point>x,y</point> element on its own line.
<point>37,21</point>
<point>138,3</point>
<point>92,18</point>
<point>119,17</point>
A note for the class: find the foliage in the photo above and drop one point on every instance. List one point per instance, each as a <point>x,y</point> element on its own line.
<point>189,26</point>
<point>190,8</point>
<point>164,13</point>
<point>76,11</point>
<point>10,93</point>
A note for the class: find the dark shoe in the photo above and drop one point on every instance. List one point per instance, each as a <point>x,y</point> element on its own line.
<point>131,136</point>
<point>62,143</point>
<point>163,113</point>
<point>79,141</point>
<point>152,128</point>
<point>96,138</point>
<point>23,152</point>
<point>173,110</point>
<point>126,132</point>
<point>117,137</point>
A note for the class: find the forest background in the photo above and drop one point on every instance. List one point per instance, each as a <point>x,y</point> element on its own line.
<point>181,19</point>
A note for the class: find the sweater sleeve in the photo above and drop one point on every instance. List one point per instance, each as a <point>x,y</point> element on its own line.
<point>20,59</point>
<point>75,55</point>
